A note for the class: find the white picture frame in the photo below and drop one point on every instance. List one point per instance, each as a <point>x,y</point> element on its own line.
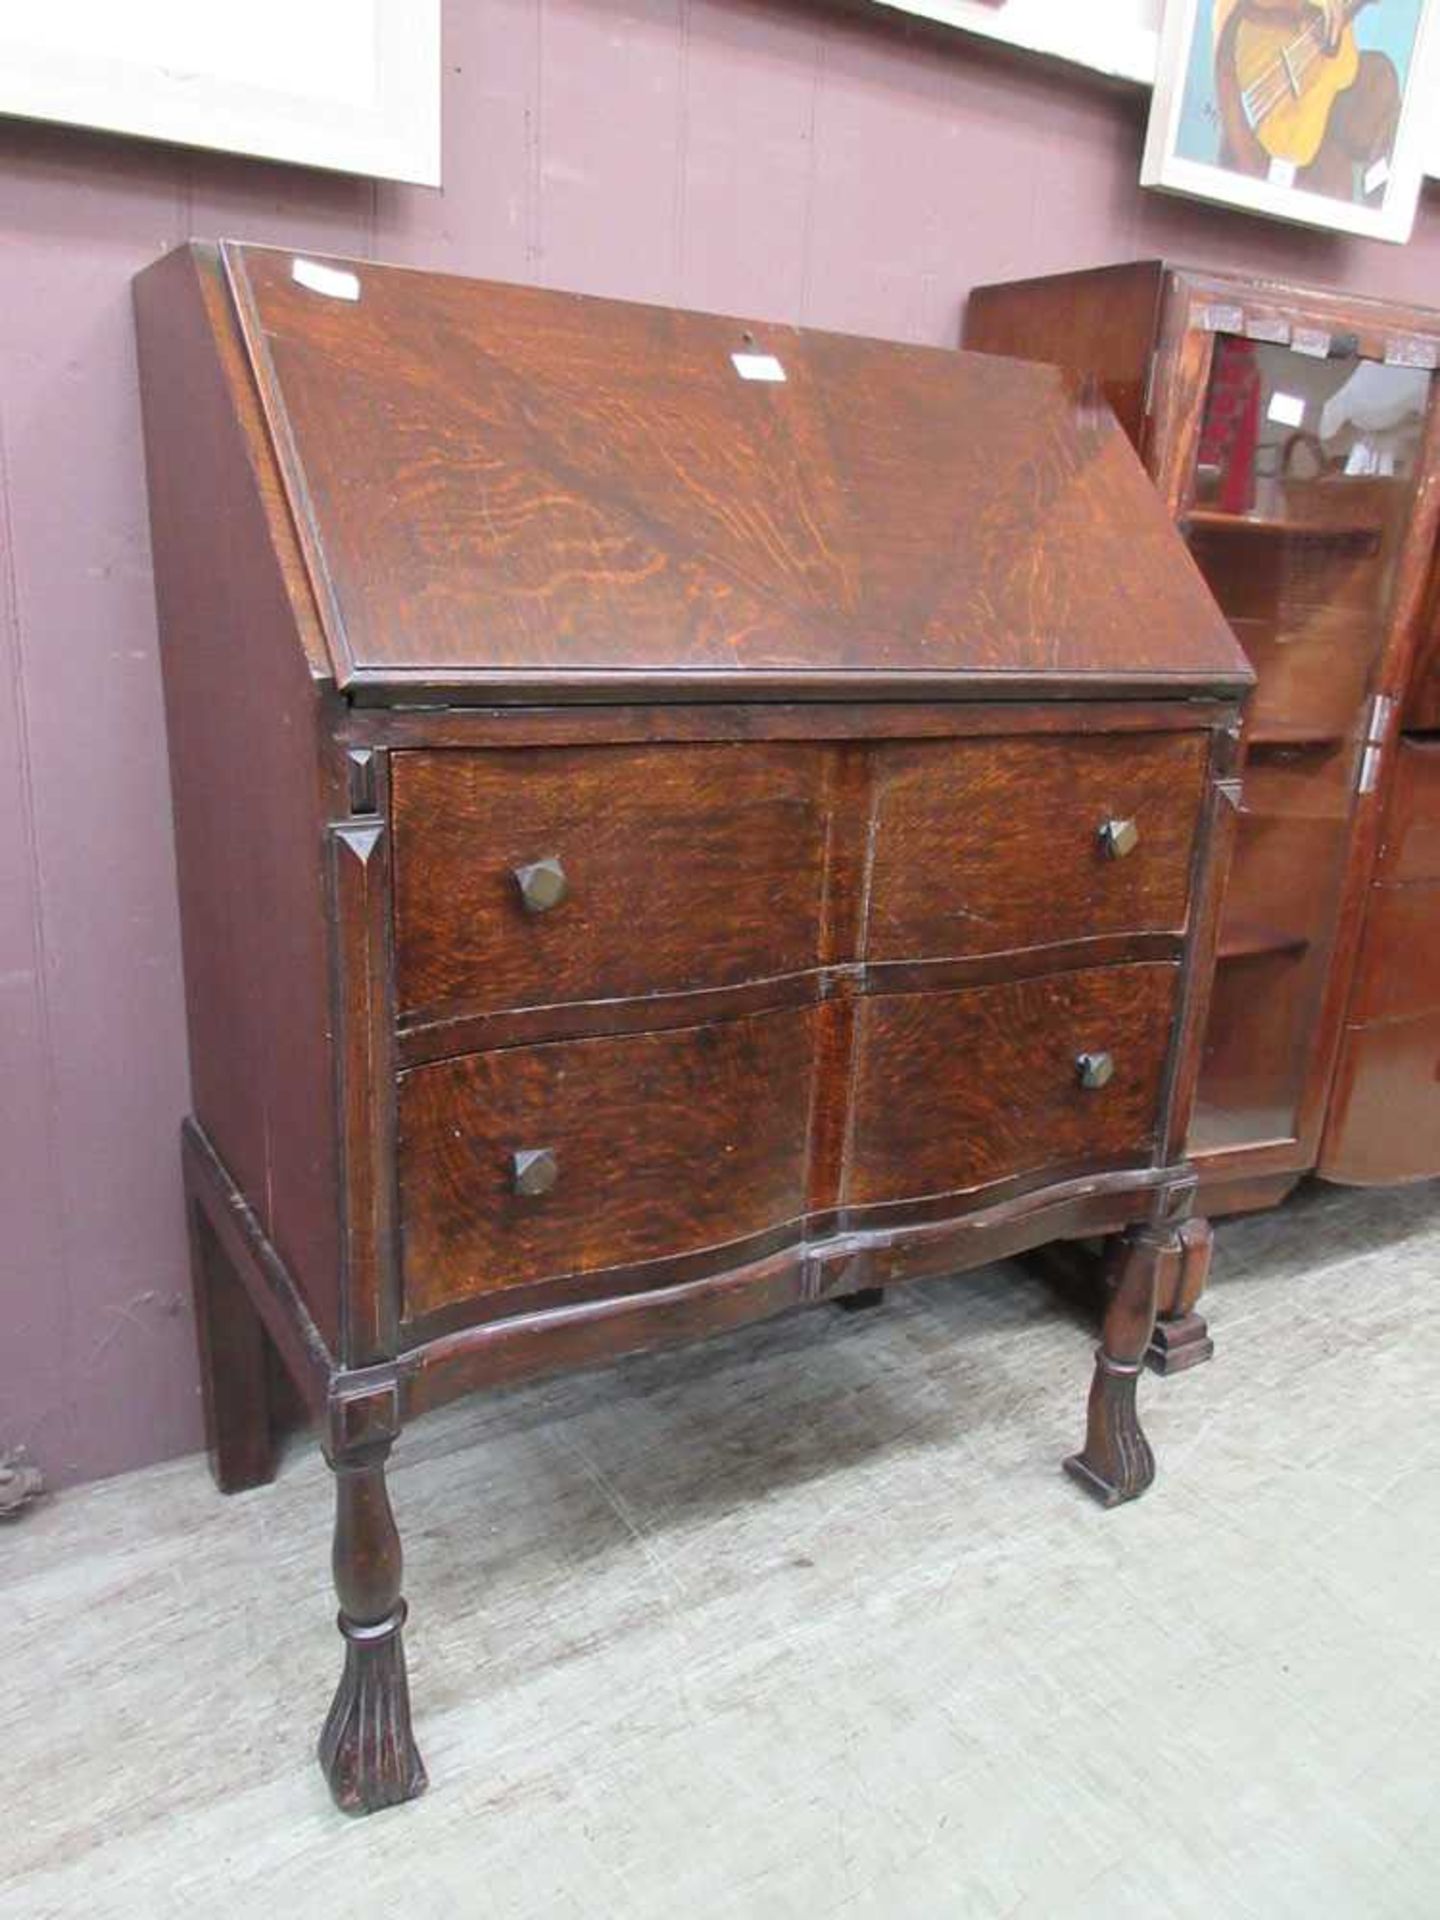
<point>1119,38</point>
<point>348,85</point>
<point>1242,96</point>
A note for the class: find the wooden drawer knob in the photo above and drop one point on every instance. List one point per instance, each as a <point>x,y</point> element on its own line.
<point>1118,837</point>
<point>542,884</point>
<point>534,1171</point>
<point>1094,1070</point>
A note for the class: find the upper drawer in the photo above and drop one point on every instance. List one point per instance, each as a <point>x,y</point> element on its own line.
<point>676,867</point>
<point>985,846</point>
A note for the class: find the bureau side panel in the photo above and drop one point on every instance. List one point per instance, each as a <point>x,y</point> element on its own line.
<point>243,712</point>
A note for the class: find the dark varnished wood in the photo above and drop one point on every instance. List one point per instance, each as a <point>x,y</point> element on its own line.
<point>1328,594</point>
<point>1103,321</point>
<point>233,1366</point>
<point>634,741</point>
<point>666,1143</point>
<point>1384,1118</point>
<point>954,1090</point>
<point>466,726</point>
<point>1410,848</point>
<point>273,1292</point>
<point>993,845</point>
<point>1422,692</point>
<point>591,487</point>
<point>367,1751</point>
<point>246,773</point>
<point>1116,1463</point>
<point>729,889</point>
<point>529,1345</point>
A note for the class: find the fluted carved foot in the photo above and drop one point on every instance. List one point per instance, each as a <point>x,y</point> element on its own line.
<point>367,1752</point>
<point>1115,1463</point>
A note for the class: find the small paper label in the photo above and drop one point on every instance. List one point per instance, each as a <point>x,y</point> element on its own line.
<point>1264,326</point>
<point>1377,175</point>
<point>1221,319</point>
<point>1282,173</point>
<point>758,366</point>
<point>1412,351</point>
<point>1286,409</point>
<point>334,282</point>
<point>1313,341</point>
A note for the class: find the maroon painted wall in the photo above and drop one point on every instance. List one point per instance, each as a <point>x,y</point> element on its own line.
<point>789,161</point>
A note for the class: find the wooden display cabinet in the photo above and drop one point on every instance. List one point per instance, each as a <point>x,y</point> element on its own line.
<point>1294,438</point>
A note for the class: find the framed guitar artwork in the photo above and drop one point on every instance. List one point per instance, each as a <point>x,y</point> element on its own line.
<point>1307,110</point>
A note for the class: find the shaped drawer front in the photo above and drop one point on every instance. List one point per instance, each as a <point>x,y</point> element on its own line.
<point>987,846</point>
<point>958,1090</point>
<point>545,876</point>
<point>531,1162</point>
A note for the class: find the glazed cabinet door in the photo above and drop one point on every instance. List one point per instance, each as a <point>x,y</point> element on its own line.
<point>1299,495</point>
<point>1384,1120</point>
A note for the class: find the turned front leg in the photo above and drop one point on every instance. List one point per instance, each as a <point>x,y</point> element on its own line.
<point>1116,1463</point>
<point>367,1752</point>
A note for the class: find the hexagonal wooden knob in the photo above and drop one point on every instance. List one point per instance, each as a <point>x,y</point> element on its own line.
<point>1094,1070</point>
<point>1118,837</point>
<point>542,884</point>
<point>534,1171</point>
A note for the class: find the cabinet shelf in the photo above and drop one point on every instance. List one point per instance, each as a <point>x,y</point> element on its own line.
<point>1279,733</point>
<point>1252,939</point>
<point>1337,527</point>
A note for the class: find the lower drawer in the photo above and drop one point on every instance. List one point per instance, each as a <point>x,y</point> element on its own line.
<point>652,1145</point>
<point>961,1090</point>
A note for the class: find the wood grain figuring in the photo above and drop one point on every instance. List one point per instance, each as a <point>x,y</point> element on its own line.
<point>994,845</point>
<point>523,1346</point>
<point>591,487</point>
<point>955,1090</point>
<point>688,867</point>
<point>643,1011</point>
<point>1333,591</point>
<point>666,1143</point>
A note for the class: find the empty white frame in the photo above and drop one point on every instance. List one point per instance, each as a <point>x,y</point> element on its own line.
<point>350,85</point>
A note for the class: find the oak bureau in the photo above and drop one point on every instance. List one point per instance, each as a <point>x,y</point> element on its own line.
<point>675,818</point>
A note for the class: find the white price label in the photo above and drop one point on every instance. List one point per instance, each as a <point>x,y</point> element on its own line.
<point>758,366</point>
<point>334,282</point>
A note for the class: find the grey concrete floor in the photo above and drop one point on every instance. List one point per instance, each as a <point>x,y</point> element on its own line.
<point>802,1622</point>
